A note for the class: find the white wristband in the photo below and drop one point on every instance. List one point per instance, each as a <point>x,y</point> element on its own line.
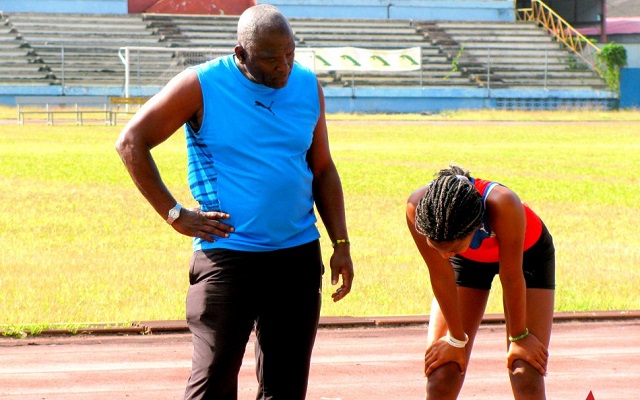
<point>456,342</point>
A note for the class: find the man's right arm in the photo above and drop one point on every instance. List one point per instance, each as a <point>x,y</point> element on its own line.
<point>178,102</point>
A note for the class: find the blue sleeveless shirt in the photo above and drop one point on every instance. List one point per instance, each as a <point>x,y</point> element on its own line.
<point>248,158</point>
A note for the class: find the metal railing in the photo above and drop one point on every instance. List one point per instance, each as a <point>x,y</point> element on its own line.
<point>489,72</point>
<point>563,32</point>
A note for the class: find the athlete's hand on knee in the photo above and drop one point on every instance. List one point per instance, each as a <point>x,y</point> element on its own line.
<point>440,353</point>
<point>531,350</point>
<point>204,225</point>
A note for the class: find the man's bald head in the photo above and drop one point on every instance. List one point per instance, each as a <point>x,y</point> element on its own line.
<point>266,47</point>
<point>261,21</point>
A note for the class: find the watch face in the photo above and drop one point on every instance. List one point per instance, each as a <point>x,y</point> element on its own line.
<point>174,213</point>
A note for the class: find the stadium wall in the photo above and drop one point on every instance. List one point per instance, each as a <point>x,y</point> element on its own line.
<point>633,54</point>
<point>387,100</point>
<point>630,88</point>
<point>452,10</point>
<point>434,10</point>
<point>427,100</point>
<point>66,6</point>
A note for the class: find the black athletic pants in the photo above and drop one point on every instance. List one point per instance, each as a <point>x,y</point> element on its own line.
<point>230,293</point>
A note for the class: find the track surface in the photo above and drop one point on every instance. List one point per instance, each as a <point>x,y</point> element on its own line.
<point>357,363</point>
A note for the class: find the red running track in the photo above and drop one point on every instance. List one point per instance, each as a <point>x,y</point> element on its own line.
<point>349,363</point>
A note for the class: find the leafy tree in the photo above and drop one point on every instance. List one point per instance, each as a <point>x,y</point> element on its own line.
<point>614,57</point>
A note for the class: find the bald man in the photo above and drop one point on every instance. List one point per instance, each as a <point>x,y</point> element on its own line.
<point>258,163</point>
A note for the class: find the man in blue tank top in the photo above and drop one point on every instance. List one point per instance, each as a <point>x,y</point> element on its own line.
<point>258,163</point>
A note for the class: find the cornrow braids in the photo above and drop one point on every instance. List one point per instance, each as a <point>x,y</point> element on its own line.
<point>453,170</point>
<point>451,208</point>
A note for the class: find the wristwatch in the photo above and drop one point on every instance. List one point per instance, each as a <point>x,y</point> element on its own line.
<point>174,213</point>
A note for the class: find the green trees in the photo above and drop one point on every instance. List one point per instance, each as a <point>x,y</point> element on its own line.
<point>614,57</point>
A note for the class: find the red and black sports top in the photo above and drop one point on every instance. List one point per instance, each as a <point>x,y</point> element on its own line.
<point>484,246</point>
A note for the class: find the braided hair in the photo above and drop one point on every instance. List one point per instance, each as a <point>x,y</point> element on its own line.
<point>451,208</point>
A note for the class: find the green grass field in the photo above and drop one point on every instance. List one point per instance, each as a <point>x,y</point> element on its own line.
<point>81,245</point>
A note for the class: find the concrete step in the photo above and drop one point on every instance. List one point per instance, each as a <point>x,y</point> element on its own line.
<point>480,25</point>
<point>26,26</point>
<point>395,81</point>
<point>523,33</point>
<point>9,73</point>
<point>71,18</point>
<point>426,48</point>
<point>409,40</point>
<point>341,30</point>
<point>332,23</point>
<point>535,41</point>
<point>114,40</point>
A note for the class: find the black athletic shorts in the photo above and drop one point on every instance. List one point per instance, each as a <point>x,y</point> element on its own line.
<point>538,264</point>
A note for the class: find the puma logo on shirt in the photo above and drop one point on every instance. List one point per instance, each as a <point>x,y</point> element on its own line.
<point>259,104</point>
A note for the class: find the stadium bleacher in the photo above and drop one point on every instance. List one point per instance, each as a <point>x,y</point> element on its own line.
<point>19,64</point>
<point>511,55</point>
<point>82,49</point>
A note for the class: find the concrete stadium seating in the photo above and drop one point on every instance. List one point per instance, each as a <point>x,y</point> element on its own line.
<point>18,62</point>
<point>195,30</point>
<point>511,55</point>
<point>82,49</point>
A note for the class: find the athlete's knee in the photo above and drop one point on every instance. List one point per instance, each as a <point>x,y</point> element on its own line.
<point>526,381</point>
<point>445,382</point>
